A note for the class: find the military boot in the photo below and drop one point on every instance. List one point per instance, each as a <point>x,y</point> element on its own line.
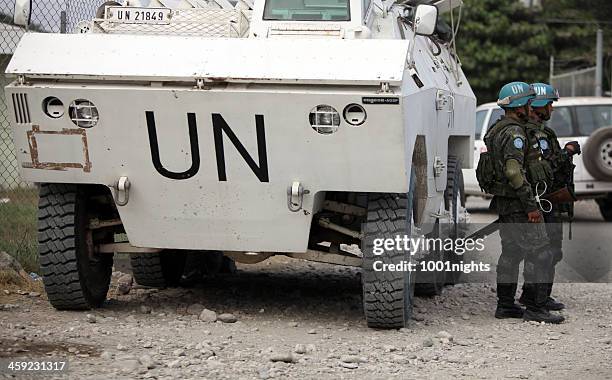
<point>551,303</point>
<point>509,311</point>
<point>535,299</point>
<point>506,307</point>
<point>542,315</point>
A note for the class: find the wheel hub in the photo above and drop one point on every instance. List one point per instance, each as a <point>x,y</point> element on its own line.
<point>606,153</point>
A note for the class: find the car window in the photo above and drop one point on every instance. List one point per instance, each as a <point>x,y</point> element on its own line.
<point>591,118</point>
<point>495,115</point>
<point>480,117</point>
<point>561,122</point>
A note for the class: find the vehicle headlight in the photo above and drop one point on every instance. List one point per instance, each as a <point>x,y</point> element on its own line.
<point>324,119</point>
<point>354,114</point>
<point>83,113</point>
<point>53,107</point>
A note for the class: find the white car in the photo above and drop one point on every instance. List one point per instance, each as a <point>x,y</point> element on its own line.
<point>587,120</point>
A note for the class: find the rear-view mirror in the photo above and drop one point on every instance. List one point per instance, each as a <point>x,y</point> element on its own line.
<point>425,20</point>
<point>23,11</point>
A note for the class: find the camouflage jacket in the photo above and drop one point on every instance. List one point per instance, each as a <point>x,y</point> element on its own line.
<point>509,139</point>
<point>560,162</point>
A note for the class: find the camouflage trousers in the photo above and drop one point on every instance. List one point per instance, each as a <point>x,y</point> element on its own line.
<point>554,230</point>
<point>528,242</point>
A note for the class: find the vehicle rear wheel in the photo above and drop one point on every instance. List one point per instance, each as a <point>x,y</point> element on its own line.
<point>605,207</point>
<point>158,270</point>
<point>432,282</point>
<point>454,203</point>
<point>75,277</point>
<point>387,295</point>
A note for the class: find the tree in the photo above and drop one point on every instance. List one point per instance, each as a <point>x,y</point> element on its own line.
<point>501,41</point>
<point>574,25</point>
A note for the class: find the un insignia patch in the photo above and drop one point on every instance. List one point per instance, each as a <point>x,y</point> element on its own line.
<point>518,143</point>
<point>543,144</point>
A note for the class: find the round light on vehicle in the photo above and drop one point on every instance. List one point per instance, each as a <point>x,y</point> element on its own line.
<point>324,119</point>
<point>53,107</point>
<point>83,113</point>
<point>354,114</point>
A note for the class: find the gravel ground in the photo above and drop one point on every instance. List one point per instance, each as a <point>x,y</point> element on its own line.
<point>286,318</point>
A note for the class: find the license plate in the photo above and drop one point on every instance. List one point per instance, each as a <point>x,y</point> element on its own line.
<point>134,15</point>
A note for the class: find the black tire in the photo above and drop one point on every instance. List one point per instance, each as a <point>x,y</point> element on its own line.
<point>454,199</point>
<point>605,207</point>
<point>74,278</point>
<point>598,154</point>
<point>228,266</point>
<point>158,270</point>
<point>387,295</point>
<point>431,283</point>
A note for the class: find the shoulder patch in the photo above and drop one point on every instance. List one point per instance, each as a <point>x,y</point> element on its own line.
<point>518,143</point>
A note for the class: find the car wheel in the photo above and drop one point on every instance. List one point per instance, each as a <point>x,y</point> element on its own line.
<point>160,269</point>
<point>75,276</point>
<point>454,203</point>
<point>605,207</point>
<point>598,154</point>
<point>387,295</point>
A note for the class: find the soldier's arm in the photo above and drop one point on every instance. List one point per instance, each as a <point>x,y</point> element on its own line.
<point>513,144</point>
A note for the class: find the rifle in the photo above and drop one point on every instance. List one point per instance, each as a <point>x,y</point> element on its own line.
<point>485,231</point>
<point>570,210</point>
<point>565,195</point>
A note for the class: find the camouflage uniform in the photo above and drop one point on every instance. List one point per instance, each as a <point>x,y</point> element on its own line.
<point>561,164</point>
<point>508,139</point>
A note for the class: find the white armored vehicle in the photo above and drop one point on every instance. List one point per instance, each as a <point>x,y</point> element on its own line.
<point>307,128</point>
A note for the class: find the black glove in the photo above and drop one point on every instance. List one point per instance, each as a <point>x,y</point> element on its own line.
<point>572,148</point>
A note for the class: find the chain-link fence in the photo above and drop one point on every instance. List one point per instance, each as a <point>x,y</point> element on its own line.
<point>575,83</point>
<point>18,199</point>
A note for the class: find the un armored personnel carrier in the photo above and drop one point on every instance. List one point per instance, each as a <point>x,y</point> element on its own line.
<point>307,128</point>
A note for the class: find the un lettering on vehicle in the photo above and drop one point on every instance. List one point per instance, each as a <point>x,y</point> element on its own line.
<point>222,133</point>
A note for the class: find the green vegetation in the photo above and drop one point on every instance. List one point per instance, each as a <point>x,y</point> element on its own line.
<point>18,235</point>
<point>501,41</point>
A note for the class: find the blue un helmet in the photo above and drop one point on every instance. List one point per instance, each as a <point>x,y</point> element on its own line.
<point>515,94</point>
<point>545,94</point>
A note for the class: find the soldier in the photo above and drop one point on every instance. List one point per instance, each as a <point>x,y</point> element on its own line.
<point>560,161</point>
<point>513,163</point>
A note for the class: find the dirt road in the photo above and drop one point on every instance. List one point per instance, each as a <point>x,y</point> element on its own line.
<point>296,319</point>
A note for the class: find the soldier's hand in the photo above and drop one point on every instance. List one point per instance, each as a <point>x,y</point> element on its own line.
<point>572,148</point>
<point>534,216</point>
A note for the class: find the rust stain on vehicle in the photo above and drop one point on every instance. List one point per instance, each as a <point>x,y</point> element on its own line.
<point>36,164</point>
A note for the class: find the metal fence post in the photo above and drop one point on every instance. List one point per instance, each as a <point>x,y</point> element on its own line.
<point>63,22</point>
<point>599,63</point>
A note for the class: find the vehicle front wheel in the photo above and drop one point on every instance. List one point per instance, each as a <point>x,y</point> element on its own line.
<point>387,295</point>
<point>75,277</point>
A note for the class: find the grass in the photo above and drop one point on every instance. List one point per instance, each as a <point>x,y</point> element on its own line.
<point>18,231</point>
